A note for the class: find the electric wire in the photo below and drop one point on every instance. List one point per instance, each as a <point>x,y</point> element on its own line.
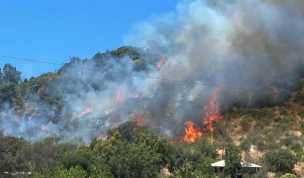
<point>143,76</point>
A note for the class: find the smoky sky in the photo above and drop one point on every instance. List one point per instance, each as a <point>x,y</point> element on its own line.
<point>236,43</point>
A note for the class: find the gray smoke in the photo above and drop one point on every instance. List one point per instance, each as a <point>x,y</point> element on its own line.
<point>236,43</point>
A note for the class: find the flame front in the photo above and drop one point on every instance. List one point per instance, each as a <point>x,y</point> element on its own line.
<point>140,120</point>
<point>191,133</point>
<point>212,111</point>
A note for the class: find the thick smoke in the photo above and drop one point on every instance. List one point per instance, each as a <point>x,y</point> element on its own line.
<point>236,43</point>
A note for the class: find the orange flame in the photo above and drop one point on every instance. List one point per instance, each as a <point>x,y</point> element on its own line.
<point>212,111</point>
<point>191,132</point>
<point>85,112</point>
<point>160,62</point>
<point>139,121</point>
<point>101,137</point>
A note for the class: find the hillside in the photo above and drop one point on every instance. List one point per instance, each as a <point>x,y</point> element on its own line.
<point>86,97</point>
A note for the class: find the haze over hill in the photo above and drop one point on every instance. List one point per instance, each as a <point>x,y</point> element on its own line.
<point>220,80</point>
<point>218,43</point>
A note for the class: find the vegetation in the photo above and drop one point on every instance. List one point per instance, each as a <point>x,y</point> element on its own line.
<point>268,130</point>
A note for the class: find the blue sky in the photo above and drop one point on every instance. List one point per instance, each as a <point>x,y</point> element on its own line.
<point>54,30</point>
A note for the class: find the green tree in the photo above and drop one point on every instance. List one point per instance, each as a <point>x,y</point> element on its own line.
<point>75,172</point>
<point>100,171</point>
<point>134,160</point>
<point>83,157</point>
<point>205,148</point>
<point>280,160</point>
<point>205,169</point>
<point>132,150</point>
<point>10,93</point>
<point>11,75</point>
<point>61,172</point>
<point>288,175</point>
<point>45,153</point>
<point>232,159</point>
<point>6,157</point>
<point>10,147</point>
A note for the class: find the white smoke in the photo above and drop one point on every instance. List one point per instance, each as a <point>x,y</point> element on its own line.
<point>236,43</point>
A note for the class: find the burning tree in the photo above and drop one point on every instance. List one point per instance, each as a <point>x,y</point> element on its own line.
<point>212,111</point>
<point>191,133</point>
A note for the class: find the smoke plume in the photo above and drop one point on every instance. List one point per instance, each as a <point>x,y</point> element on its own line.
<point>235,43</point>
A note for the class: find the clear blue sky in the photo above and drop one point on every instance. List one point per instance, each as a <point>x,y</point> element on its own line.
<point>54,30</point>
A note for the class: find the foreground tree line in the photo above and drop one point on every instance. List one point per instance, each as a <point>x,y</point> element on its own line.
<point>130,150</point>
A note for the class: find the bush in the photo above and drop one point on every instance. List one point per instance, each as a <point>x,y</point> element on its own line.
<point>284,112</point>
<point>301,112</point>
<point>297,148</point>
<point>287,141</point>
<point>245,145</point>
<point>280,161</point>
<point>245,124</point>
<point>288,175</point>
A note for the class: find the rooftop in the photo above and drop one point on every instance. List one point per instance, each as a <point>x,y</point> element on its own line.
<point>244,164</point>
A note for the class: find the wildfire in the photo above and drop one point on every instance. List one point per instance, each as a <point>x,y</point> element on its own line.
<point>191,132</point>
<point>160,62</point>
<point>101,137</point>
<point>140,121</point>
<point>85,112</point>
<point>173,142</point>
<point>212,111</point>
<point>119,97</point>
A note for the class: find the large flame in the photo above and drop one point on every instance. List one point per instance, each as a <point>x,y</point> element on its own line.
<point>191,133</point>
<point>211,110</point>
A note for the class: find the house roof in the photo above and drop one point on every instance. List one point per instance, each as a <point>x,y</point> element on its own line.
<point>244,164</point>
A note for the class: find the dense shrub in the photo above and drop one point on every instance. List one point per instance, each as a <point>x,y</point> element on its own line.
<point>280,161</point>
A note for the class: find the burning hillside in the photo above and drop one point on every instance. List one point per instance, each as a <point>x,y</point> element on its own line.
<point>206,43</point>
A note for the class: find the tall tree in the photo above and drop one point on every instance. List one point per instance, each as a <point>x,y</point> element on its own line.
<point>233,159</point>
<point>10,74</point>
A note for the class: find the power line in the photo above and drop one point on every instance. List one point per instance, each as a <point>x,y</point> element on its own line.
<point>29,60</point>
<point>144,76</point>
